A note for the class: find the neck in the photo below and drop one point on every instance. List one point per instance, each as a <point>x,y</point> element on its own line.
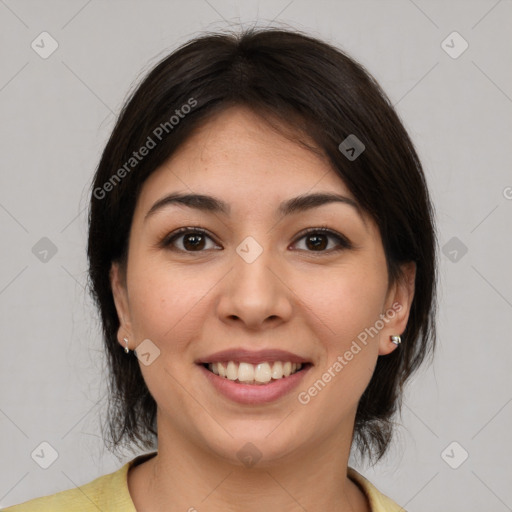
<point>185,477</point>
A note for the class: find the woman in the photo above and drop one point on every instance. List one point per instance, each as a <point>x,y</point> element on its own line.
<point>262,252</point>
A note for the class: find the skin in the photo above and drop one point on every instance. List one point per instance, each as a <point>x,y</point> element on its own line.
<point>312,302</point>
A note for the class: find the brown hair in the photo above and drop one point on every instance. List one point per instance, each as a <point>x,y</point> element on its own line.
<point>318,91</point>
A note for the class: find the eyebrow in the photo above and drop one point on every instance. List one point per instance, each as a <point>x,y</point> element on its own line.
<point>214,205</point>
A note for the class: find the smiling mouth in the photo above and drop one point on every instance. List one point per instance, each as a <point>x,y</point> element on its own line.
<point>255,374</point>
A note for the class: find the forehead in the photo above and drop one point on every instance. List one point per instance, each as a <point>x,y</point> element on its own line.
<point>240,156</point>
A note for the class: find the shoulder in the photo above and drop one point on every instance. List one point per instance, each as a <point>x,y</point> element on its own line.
<point>108,492</point>
<point>378,501</point>
<point>94,496</point>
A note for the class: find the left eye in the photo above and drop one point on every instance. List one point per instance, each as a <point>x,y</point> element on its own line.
<point>317,240</point>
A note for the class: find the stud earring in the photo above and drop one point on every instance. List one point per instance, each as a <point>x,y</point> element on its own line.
<point>396,339</point>
<point>126,349</point>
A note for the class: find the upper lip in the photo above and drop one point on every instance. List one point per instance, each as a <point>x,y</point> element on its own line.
<point>252,356</point>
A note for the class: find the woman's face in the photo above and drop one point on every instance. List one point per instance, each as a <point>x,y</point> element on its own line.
<point>253,282</point>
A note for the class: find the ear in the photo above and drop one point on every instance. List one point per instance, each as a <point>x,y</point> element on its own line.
<point>397,307</point>
<point>118,284</point>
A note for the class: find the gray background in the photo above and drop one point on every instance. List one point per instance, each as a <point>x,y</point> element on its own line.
<point>56,115</point>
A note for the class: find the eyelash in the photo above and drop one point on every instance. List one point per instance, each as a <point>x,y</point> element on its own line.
<point>342,242</point>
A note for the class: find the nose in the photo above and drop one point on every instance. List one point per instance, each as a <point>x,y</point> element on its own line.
<point>255,294</point>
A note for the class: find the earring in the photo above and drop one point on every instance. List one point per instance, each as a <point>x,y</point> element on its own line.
<point>396,339</point>
<point>126,349</point>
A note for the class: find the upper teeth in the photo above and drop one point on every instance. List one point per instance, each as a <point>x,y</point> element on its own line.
<point>262,372</point>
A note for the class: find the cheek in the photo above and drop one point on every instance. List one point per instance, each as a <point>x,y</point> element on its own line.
<point>343,308</point>
<point>346,309</point>
<point>347,301</point>
<point>165,301</point>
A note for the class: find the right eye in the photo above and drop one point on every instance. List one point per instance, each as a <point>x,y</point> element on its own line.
<point>189,239</point>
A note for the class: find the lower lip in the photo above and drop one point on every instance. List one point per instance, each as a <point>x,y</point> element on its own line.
<point>255,393</point>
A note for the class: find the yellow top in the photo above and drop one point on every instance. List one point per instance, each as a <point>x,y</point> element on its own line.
<point>109,493</point>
